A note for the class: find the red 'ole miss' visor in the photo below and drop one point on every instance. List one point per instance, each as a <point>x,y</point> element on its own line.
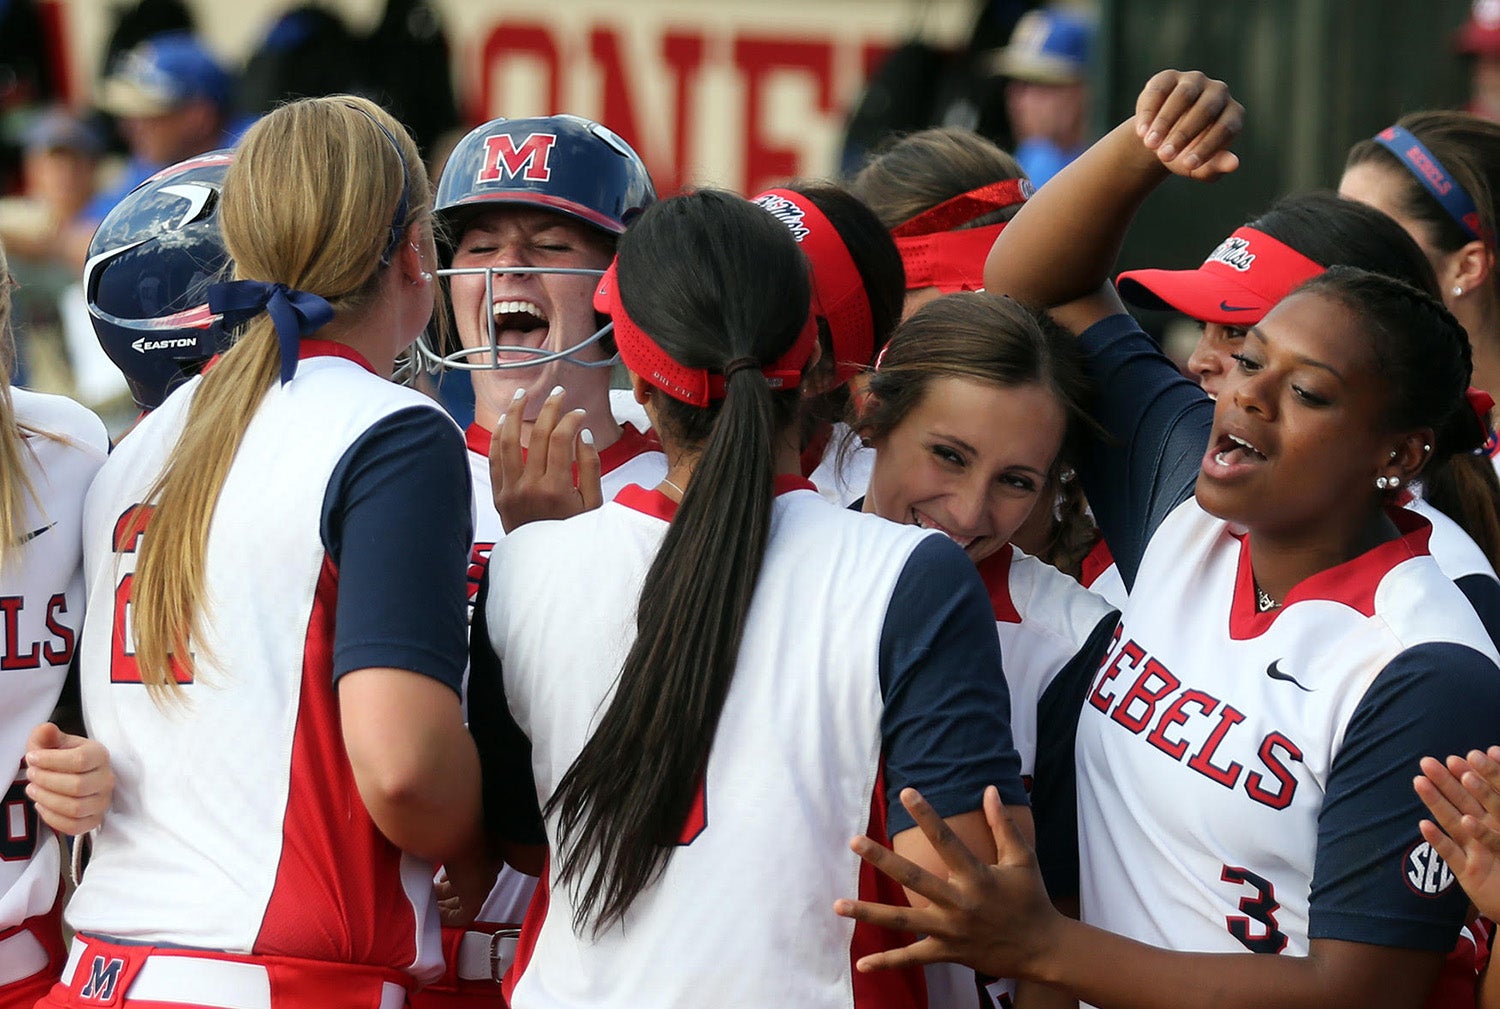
<point>1236,286</point>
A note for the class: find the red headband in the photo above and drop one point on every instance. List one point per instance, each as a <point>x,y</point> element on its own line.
<point>949,260</point>
<point>937,256</point>
<point>838,290</point>
<point>694,386</point>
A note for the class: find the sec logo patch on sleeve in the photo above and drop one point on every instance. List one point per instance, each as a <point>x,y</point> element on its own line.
<point>1426,873</point>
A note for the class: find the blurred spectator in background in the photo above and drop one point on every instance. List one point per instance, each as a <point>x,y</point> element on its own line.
<point>1046,65</point>
<point>172,100</point>
<point>1479,38</point>
<point>27,79</point>
<point>60,160</point>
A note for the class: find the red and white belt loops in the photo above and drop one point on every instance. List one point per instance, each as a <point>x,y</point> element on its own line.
<point>108,974</point>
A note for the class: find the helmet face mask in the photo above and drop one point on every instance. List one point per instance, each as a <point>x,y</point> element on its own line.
<point>146,280</point>
<point>561,165</point>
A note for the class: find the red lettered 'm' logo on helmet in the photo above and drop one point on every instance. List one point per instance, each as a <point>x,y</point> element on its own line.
<point>503,159</point>
<point>564,164</point>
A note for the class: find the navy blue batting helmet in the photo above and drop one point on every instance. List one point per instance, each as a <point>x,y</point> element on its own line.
<point>564,163</point>
<point>150,263</point>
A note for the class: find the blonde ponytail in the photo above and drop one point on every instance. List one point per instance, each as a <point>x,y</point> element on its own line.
<point>309,202</point>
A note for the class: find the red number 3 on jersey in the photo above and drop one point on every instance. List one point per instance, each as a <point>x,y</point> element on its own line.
<point>127,540</point>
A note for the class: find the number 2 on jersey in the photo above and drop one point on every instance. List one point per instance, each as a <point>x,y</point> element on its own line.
<point>126,541</point>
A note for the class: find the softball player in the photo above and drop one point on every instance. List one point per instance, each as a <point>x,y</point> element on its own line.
<point>968,413</point>
<point>857,282</point>
<point>275,563</point>
<point>700,714</point>
<point>1438,175</point>
<point>946,194</point>
<point>50,448</point>
<point>1257,266</point>
<point>146,280</point>
<point>1289,643</point>
<point>532,208</point>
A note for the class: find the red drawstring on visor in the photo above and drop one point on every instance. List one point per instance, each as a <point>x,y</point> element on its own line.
<point>937,256</point>
<point>839,294</point>
<point>694,386</point>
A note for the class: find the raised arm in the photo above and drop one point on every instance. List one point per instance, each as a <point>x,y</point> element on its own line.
<point>1059,251</point>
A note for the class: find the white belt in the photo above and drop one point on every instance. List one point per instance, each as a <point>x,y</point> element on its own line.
<point>225,984</point>
<point>21,956</point>
<point>486,956</point>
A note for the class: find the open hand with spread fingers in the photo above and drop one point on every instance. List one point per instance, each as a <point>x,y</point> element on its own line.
<point>1189,120</point>
<point>994,918</point>
<point>556,476</point>
<point>1463,796</point>
<point>68,778</point>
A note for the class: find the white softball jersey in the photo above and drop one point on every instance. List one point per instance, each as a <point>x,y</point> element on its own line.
<point>1245,776</point>
<point>41,614</point>
<point>832,709</point>
<point>236,824</point>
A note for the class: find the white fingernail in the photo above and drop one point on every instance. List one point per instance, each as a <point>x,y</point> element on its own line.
<point>520,393</point>
<point>586,436</point>
<point>500,423</point>
<point>557,390</point>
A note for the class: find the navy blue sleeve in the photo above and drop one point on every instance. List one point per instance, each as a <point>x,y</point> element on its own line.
<point>946,724</point>
<point>1483,593</point>
<point>397,525</point>
<point>1158,423</point>
<point>1375,880</point>
<point>511,810</point>
<point>1054,790</point>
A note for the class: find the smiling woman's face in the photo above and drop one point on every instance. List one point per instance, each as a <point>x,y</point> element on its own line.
<point>969,459</point>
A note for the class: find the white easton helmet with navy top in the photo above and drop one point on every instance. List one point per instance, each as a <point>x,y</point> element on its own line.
<point>565,164</point>
<point>146,280</point>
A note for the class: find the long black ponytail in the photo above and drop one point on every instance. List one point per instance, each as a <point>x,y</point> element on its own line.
<point>718,284</point>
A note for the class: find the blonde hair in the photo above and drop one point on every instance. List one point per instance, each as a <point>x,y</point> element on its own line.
<point>15,485</point>
<point>309,202</point>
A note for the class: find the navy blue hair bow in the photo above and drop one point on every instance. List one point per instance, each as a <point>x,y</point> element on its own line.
<point>295,313</point>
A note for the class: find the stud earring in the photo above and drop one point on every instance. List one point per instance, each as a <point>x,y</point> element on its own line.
<point>1381,482</point>
<point>1395,482</point>
<point>1458,292</point>
<point>426,277</point>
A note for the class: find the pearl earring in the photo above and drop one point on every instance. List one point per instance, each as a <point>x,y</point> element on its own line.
<point>1381,482</point>
<point>1458,292</point>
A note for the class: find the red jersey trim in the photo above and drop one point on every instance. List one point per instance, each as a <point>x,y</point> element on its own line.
<point>994,570</point>
<point>332,348</point>
<point>658,505</point>
<point>1097,561</point>
<point>1352,583</point>
<point>631,443</point>
<point>338,894</point>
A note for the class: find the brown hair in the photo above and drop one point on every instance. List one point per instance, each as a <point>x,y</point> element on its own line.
<point>993,339</point>
<point>1468,147</point>
<point>930,167</point>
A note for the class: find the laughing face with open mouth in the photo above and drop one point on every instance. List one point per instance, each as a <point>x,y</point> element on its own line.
<point>1300,429</point>
<point>545,311</point>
